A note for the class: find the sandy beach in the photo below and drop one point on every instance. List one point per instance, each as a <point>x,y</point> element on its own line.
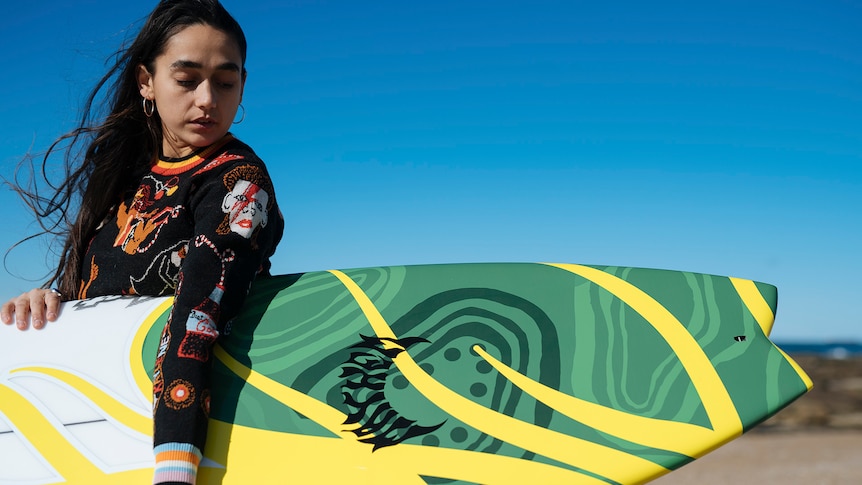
<point>822,457</point>
<point>817,440</point>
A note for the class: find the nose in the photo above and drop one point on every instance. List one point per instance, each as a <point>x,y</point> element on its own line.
<point>205,96</point>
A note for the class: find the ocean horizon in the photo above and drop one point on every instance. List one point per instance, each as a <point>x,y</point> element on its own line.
<point>834,350</point>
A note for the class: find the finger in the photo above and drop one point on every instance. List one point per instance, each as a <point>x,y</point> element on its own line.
<point>22,311</point>
<point>38,305</point>
<point>6,312</point>
<point>52,300</point>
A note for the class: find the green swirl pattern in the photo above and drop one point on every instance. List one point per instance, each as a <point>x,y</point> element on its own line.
<point>556,328</point>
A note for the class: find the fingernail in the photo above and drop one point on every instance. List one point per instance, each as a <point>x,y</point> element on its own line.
<point>52,316</point>
<point>38,323</point>
<point>22,325</point>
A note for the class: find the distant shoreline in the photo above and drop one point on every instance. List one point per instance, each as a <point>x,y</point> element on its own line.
<point>816,439</point>
<point>835,350</point>
<point>835,402</point>
<point>800,457</point>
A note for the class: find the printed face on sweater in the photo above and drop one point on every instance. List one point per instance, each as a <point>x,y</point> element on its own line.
<point>245,205</point>
<point>197,86</point>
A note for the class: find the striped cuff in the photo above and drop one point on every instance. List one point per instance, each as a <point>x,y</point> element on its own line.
<point>176,462</point>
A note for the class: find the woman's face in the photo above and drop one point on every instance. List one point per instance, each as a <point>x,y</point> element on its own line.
<point>197,87</point>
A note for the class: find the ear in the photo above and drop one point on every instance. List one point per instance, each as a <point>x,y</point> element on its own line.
<point>145,82</point>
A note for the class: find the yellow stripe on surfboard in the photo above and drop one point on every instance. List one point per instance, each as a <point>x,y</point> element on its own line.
<point>319,412</point>
<point>315,459</point>
<point>683,438</point>
<point>762,313</point>
<point>136,357</point>
<point>399,465</point>
<point>712,391</point>
<point>601,460</point>
<point>118,411</point>
<point>756,304</point>
<point>55,447</point>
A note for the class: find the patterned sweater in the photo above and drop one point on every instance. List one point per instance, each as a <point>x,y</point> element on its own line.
<point>199,228</point>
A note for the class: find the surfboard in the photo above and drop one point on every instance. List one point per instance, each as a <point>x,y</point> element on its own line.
<point>483,373</point>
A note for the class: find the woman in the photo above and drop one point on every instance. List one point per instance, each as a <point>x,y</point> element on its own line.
<point>171,204</point>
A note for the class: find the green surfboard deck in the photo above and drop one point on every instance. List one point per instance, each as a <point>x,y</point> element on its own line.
<point>560,329</point>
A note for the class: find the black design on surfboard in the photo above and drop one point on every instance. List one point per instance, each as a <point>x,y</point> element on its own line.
<point>365,373</point>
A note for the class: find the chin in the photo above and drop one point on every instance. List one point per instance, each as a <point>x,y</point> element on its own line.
<point>202,141</point>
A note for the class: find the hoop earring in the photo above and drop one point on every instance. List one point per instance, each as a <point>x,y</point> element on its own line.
<point>241,117</point>
<point>149,109</point>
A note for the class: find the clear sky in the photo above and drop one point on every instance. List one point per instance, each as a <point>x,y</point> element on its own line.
<point>715,137</point>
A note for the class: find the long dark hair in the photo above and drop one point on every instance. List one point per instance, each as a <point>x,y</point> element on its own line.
<point>105,158</point>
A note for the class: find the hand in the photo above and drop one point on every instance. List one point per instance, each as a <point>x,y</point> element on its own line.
<point>38,305</point>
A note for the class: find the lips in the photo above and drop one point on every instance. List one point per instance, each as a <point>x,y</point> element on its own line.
<point>245,223</point>
<point>205,122</point>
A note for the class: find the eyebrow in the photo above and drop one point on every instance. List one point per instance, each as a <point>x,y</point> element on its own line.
<point>183,64</point>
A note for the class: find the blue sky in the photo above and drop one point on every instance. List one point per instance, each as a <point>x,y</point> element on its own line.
<point>721,138</point>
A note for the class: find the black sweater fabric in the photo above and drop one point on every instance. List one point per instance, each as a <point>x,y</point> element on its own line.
<point>200,228</point>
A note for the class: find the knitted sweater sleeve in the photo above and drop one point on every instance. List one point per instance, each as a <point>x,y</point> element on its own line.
<point>237,225</point>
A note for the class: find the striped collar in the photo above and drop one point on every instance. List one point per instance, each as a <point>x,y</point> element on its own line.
<point>174,166</point>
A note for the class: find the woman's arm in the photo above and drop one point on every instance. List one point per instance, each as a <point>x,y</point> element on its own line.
<point>237,226</point>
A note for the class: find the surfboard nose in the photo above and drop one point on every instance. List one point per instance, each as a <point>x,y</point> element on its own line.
<point>761,300</point>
